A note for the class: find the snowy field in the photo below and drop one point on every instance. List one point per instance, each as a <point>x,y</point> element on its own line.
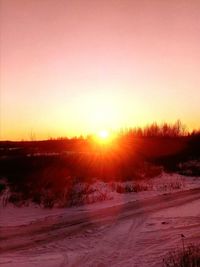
<point>130,229</point>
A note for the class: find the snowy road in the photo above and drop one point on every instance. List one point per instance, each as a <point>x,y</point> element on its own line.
<point>132,234</point>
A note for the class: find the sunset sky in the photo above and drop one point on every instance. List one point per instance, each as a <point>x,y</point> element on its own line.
<point>71,67</point>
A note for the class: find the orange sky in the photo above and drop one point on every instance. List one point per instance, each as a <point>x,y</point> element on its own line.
<point>71,67</point>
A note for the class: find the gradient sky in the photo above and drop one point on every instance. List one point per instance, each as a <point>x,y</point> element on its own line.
<point>71,67</point>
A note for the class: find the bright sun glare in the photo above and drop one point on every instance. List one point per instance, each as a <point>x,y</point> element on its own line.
<point>103,134</point>
<point>103,137</point>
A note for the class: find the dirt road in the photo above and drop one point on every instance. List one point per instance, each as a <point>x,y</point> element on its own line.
<point>138,233</point>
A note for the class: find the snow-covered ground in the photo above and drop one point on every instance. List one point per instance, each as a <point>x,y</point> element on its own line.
<point>131,229</point>
<point>10,215</point>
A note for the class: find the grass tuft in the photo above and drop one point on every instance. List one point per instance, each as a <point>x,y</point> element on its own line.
<point>186,257</point>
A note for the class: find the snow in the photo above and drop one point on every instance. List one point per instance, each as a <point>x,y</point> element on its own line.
<point>15,216</point>
<point>131,229</point>
<point>48,259</point>
<point>163,184</point>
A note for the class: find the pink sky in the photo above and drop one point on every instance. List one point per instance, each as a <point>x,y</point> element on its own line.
<point>72,67</point>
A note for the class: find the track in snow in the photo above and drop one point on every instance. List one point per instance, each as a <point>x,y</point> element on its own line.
<point>123,235</point>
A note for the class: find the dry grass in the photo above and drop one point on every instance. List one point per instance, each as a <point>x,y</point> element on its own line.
<point>186,257</point>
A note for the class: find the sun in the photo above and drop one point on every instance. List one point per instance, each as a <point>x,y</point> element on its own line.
<point>103,134</point>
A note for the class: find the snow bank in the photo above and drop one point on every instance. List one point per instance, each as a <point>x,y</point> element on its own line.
<point>101,194</point>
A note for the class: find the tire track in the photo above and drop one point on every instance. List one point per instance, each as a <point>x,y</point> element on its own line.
<point>58,228</point>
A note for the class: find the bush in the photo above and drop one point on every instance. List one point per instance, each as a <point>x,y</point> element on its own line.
<point>186,257</point>
<point>122,188</point>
